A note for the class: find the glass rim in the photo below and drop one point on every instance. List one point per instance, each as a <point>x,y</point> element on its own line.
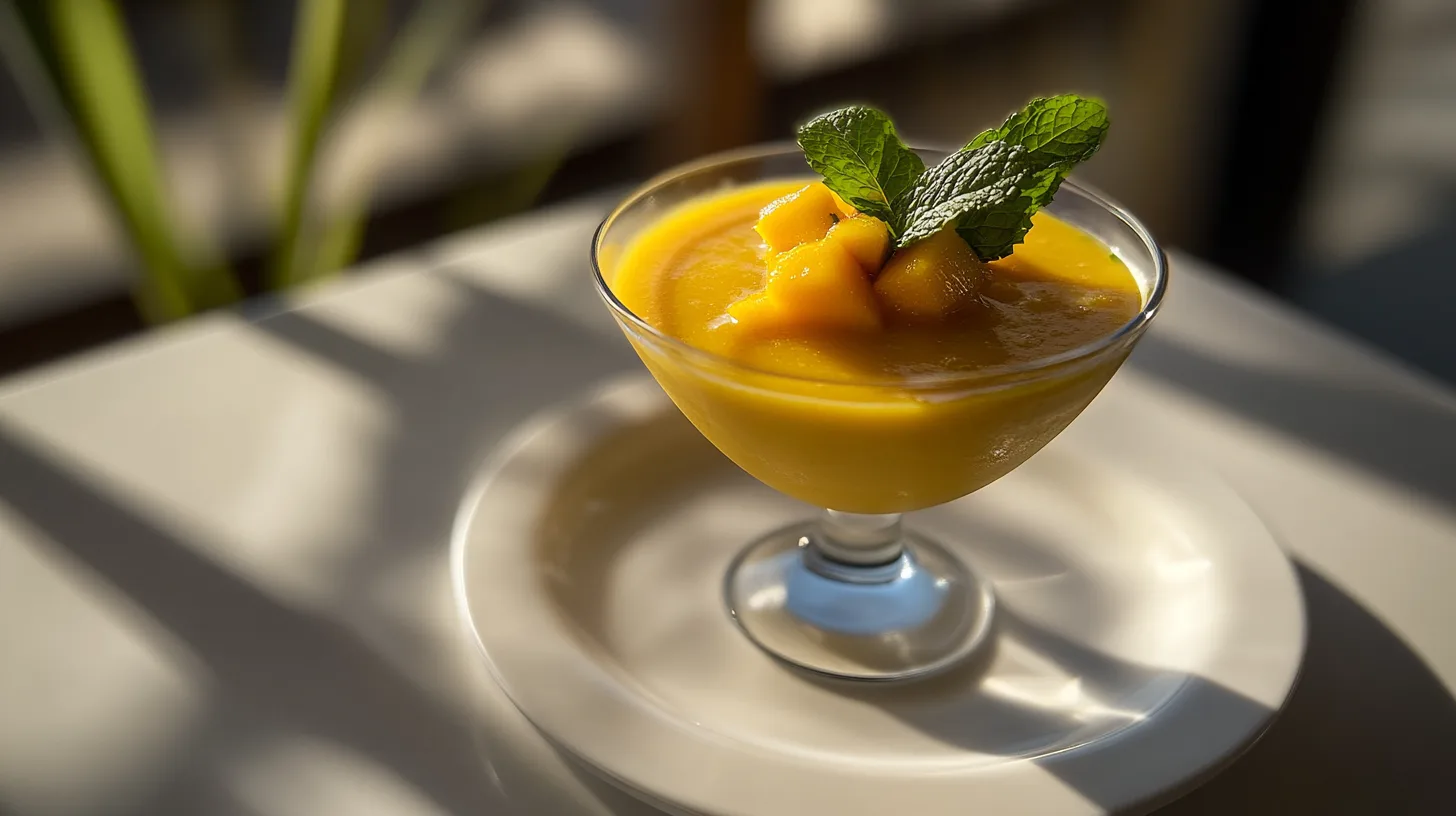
<point>988,375</point>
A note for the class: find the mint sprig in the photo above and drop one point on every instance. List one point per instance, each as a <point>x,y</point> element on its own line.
<point>988,190</point>
<point>861,158</point>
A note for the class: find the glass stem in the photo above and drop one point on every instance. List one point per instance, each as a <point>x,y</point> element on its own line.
<point>856,539</point>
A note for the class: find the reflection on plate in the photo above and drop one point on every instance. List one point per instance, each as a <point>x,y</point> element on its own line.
<point>1148,628</point>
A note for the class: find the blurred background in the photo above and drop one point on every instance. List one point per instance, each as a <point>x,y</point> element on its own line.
<point>162,157</point>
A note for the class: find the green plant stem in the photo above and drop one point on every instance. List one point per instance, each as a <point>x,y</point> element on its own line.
<point>333,241</point>
<point>87,68</point>
<point>313,75</point>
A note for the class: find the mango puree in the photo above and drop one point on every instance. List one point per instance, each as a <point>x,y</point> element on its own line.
<point>871,421</point>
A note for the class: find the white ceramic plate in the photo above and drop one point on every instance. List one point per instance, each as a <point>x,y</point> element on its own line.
<point>1148,629</point>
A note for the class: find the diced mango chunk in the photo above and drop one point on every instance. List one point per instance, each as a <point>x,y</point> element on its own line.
<point>823,284</point>
<point>866,238</point>
<point>797,218</point>
<point>817,285</point>
<point>756,312</point>
<point>930,280</point>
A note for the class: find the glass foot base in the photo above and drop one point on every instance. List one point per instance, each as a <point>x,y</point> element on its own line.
<point>919,613</point>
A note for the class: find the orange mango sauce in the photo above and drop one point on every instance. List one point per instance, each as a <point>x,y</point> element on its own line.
<point>850,420</point>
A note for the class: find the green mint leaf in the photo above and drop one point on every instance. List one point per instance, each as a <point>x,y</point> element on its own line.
<point>987,180</point>
<point>862,159</point>
<point>990,193</point>
<point>1060,130</point>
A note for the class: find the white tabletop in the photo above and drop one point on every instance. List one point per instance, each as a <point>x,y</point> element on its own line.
<point>223,583</point>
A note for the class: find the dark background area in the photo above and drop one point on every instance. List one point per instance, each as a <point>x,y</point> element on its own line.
<point>1306,146</point>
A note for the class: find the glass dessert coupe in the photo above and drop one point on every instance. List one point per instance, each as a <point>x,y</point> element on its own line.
<point>852,593</point>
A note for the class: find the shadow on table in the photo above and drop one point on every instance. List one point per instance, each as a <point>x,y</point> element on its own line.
<point>1369,729</point>
<point>1402,438</point>
<point>290,666</point>
<point>447,408</point>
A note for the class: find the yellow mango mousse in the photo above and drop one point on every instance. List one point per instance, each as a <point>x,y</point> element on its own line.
<point>878,410</point>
